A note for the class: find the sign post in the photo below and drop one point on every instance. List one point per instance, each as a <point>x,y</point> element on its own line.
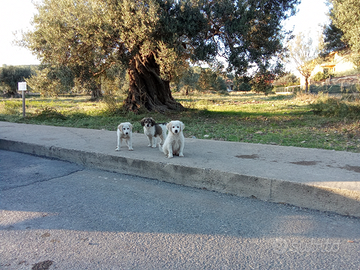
<point>22,88</point>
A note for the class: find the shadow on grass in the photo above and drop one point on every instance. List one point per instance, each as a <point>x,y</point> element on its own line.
<point>244,114</point>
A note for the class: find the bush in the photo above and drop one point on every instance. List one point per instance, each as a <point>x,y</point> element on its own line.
<point>11,75</point>
<point>243,87</point>
<point>331,106</point>
<point>288,79</point>
<point>320,76</point>
<point>49,113</point>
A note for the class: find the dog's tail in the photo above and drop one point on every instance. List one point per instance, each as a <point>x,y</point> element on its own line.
<point>164,130</point>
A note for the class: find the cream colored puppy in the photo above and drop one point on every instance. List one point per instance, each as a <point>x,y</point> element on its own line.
<point>175,141</point>
<point>124,132</point>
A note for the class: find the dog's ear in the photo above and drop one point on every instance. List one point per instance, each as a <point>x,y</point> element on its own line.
<point>168,126</point>
<point>152,121</point>
<point>131,126</point>
<point>120,127</point>
<point>143,122</point>
<point>182,126</point>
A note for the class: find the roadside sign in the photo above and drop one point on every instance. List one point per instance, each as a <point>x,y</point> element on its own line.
<point>21,86</point>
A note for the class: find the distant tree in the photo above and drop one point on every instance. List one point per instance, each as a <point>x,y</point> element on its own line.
<point>262,82</point>
<point>242,83</point>
<point>210,79</point>
<point>51,81</point>
<point>346,19</point>
<point>154,37</point>
<point>189,79</point>
<point>320,76</point>
<point>286,79</point>
<point>304,55</point>
<point>332,40</point>
<point>11,75</point>
<point>202,79</point>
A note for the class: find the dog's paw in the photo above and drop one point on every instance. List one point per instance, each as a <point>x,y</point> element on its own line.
<point>117,149</point>
<point>149,145</point>
<point>131,149</point>
<point>181,155</point>
<point>153,146</point>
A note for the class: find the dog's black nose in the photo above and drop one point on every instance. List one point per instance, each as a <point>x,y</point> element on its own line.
<point>176,131</point>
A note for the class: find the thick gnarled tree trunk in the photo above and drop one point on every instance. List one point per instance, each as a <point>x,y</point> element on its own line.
<point>147,89</point>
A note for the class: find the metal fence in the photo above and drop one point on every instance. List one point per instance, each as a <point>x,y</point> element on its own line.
<point>338,85</point>
<point>288,89</point>
<point>335,89</point>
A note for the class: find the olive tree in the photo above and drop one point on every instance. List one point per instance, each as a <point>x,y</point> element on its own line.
<point>155,37</point>
<point>11,75</point>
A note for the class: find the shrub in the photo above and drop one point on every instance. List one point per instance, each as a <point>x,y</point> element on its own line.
<point>320,76</point>
<point>331,106</point>
<point>243,87</point>
<point>50,113</point>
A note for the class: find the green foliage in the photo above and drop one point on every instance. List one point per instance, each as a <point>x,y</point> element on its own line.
<point>287,79</point>
<point>320,76</point>
<point>91,36</point>
<point>11,75</point>
<point>12,107</point>
<point>335,107</point>
<point>210,80</point>
<point>262,82</point>
<point>332,39</point>
<point>188,80</point>
<point>242,84</point>
<point>114,83</point>
<point>50,81</point>
<point>243,87</point>
<point>201,79</point>
<point>345,17</point>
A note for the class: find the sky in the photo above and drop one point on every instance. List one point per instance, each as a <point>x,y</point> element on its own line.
<point>311,16</point>
<point>16,15</point>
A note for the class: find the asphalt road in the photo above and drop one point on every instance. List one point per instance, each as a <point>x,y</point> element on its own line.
<point>59,215</point>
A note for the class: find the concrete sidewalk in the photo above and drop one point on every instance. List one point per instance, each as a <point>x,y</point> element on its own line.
<point>312,178</point>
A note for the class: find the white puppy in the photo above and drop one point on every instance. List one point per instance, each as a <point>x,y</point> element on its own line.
<point>124,132</point>
<point>153,130</point>
<point>175,141</point>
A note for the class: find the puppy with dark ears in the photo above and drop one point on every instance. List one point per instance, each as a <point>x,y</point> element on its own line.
<point>175,141</point>
<point>124,132</point>
<point>153,131</point>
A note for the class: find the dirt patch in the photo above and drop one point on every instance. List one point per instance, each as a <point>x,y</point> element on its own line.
<point>45,265</point>
<point>45,235</point>
<point>248,156</point>
<point>352,168</point>
<point>305,163</point>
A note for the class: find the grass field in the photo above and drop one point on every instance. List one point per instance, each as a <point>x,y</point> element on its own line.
<point>287,120</point>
